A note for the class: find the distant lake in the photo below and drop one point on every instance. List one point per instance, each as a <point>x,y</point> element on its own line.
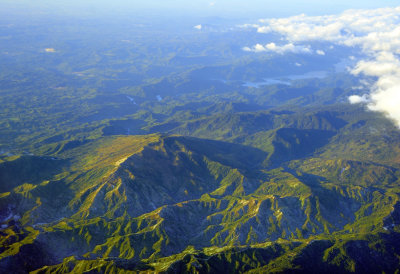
<point>286,80</point>
<point>266,82</point>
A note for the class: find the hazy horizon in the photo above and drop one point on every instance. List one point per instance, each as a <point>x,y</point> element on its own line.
<point>235,9</point>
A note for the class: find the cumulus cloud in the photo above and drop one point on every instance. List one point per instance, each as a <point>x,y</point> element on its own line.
<point>199,27</point>
<point>377,34</point>
<point>280,49</point>
<point>320,52</point>
<point>356,99</point>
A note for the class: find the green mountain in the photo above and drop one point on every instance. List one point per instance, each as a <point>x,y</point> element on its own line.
<point>173,203</point>
<point>135,144</point>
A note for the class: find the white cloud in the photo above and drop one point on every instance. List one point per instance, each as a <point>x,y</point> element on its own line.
<point>376,32</point>
<point>199,27</point>
<point>246,49</point>
<point>212,4</point>
<point>320,52</point>
<point>246,26</point>
<point>356,99</point>
<point>280,49</point>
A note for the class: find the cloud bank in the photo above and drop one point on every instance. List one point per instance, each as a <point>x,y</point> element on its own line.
<point>377,34</point>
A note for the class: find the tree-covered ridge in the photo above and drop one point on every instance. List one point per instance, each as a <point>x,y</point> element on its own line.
<point>149,149</point>
<point>143,198</point>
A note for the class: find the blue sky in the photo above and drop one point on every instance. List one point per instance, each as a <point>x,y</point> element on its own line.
<point>257,8</point>
<point>224,8</point>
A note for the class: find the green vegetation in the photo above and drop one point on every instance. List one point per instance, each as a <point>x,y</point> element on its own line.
<point>151,154</point>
